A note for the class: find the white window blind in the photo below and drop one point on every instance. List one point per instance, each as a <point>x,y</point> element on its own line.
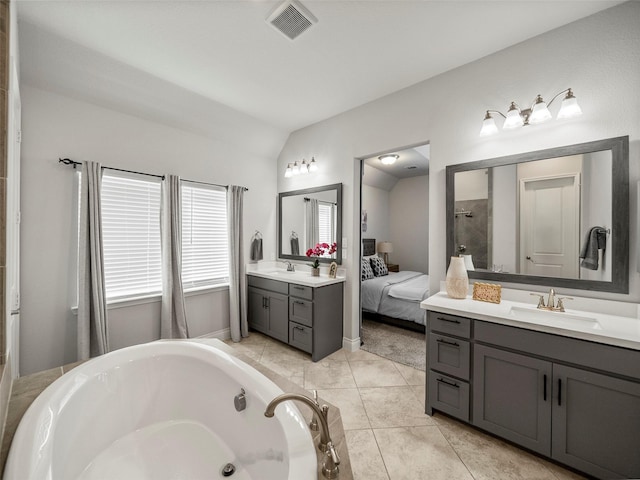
<point>205,252</point>
<point>325,223</point>
<point>131,235</point>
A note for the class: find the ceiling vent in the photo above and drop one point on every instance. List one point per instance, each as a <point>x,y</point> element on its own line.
<point>411,167</point>
<point>291,19</point>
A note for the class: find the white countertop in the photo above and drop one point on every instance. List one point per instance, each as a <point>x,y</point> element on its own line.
<point>299,277</point>
<point>595,327</point>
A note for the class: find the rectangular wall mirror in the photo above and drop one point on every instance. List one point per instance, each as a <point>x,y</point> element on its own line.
<point>530,218</point>
<point>307,217</point>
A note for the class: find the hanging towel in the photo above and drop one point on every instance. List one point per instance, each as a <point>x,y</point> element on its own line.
<point>596,240</point>
<point>295,246</point>
<point>256,248</point>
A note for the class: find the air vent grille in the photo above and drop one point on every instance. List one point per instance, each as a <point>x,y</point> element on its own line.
<point>291,19</point>
<point>411,167</point>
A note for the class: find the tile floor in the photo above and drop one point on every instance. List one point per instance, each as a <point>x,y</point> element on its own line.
<point>389,436</point>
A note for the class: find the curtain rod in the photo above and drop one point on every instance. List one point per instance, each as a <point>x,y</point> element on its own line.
<point>68,161</point>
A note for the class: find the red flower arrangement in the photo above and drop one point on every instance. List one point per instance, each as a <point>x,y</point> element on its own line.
<point>320,250</point>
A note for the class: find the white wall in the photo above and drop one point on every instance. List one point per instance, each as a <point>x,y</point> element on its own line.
<point>504,207</point>
<point>56,126</point>
<point>409,223</point>
<point>596,56</point>
<point>375,201</point>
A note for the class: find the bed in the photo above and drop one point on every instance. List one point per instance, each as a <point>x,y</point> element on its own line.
<point>395,298</point>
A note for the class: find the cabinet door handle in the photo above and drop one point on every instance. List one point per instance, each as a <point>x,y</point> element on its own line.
<point>263,304</point>
<point>453,344</point>
<point>559,391</point>
<point>451,384</point>
<point>266,303</point>
<point>448,320</point>
<point>544,395</point>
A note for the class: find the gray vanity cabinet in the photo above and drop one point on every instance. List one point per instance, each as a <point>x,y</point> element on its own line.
<point>575,401</point>
<point>596,423</point>
<point>268,309</point>
<point>512,397</point>
<point>307,318</point>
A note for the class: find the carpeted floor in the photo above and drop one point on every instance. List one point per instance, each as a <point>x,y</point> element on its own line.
<point>395,343</point>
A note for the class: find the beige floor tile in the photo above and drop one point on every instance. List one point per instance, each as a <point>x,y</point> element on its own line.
<point>489,458</point>
<point>328,375</point>
<point>35,382</point>
<point>286,361</point>
<point>376,373</point>
<point>413,376</point>
<point>352,410</point>
<point>393,407</point>
<point>417,453</point>
<point>251,350</point>
<point>420,392</point>
<point>366,460</point>
<point>361,355</point>
<point>339,356</point>
<point>560,472</point>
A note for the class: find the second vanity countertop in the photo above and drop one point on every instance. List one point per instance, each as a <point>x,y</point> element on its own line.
<point>301,277</point>
<point>595,327</point>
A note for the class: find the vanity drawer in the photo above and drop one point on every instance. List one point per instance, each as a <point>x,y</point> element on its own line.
<point>450,324</point>
<point>266,284</point>
<point>301,311</point>
<point>448,395</point>
<point>301,336</point>
<point>449,355</point>
<point>301,291</point>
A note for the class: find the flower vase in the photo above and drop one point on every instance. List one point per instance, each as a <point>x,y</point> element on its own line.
<point>315,272</point>
<point>457,278</point>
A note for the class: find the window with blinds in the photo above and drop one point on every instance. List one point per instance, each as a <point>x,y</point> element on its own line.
<point>131,235</point>
<point>205,252</point>
<point>326,223</point>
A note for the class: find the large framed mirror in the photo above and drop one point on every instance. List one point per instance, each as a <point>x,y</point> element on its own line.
<point>307,217</point>
<point>557,217</point>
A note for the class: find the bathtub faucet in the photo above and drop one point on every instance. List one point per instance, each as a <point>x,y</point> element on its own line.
<point>331,460</point>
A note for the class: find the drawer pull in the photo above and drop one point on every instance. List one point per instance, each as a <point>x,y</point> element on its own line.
<point>448,320</point>
<point>451,384</point>
<point>453,344</point>
<point>298,302</point>
<point>298,328</point>
<point>297,287</point>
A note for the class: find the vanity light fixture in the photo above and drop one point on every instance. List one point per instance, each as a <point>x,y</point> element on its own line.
<point>538,113</point>
<point>303,167</point>
<point>388,159</point>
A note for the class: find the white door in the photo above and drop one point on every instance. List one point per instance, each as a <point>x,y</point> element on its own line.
<point>12,287</point>
<point>549,226</point>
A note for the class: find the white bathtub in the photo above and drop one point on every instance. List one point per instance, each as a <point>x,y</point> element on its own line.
<point>163,410</point>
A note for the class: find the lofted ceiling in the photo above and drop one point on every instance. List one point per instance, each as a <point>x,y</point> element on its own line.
<point>225,51</point>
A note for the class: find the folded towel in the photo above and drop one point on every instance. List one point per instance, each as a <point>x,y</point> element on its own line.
<point>256,249</point>
<point>596,240</point>
<point>295,246</point>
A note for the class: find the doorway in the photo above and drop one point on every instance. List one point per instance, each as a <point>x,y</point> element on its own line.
<point>394,236</point>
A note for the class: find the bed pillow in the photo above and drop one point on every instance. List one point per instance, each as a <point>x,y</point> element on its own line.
<point>379,267</point>
<point>367,272</point>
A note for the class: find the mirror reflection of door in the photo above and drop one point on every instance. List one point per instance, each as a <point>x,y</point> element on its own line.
<point>549,226</point>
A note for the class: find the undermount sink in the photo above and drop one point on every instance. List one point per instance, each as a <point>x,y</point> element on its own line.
<point>557,319</point>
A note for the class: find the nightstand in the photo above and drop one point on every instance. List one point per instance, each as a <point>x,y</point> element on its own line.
<point>392,267</point>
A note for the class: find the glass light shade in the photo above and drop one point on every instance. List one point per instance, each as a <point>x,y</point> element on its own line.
<point>296,168</point>
<point>489,126</point>
<point>313,166</point>
<point>513,120</point>
<point>539,113</point>
<point>304,168</point>
<point>570,107</point>
<point>388,159</point>
<point>288,172</point>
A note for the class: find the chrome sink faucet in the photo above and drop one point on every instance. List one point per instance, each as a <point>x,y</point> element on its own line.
<point>331,460</point>
<point>290,267</point>
<point>554,304</point>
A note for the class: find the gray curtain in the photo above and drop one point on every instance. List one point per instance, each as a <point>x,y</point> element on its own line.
<point>173,317</point>
<point>93,330</point>
<point>237,281</point>
<point>313,224</point>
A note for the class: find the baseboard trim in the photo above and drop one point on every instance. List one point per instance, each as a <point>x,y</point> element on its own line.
<point>351,345</point>
<point>224,334</point>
